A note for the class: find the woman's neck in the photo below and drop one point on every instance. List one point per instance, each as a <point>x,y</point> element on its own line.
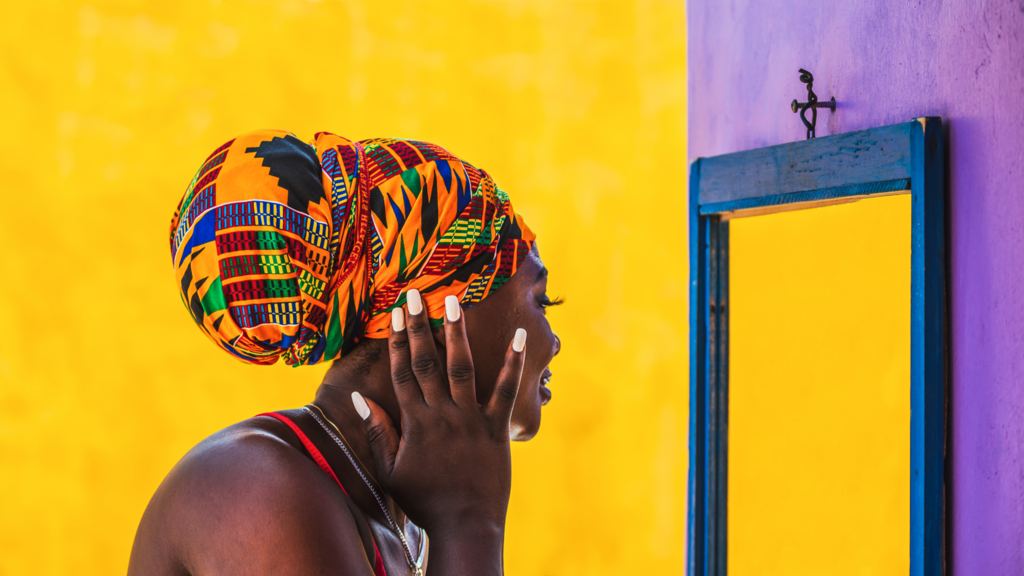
<point>370,375</point>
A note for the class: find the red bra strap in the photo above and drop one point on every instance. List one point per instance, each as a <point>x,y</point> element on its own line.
<point>378,562</point>
<point>317,456</point>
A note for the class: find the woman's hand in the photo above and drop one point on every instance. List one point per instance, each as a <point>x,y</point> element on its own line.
<point>450,469</point>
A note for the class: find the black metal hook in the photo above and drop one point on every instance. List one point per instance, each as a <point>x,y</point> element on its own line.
<point>812,104</point>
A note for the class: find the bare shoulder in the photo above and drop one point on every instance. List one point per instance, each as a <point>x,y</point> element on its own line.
<point>246,501</point>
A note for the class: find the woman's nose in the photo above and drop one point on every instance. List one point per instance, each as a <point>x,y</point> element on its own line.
<point>558,344</point>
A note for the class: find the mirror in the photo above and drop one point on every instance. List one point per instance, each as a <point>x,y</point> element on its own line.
<point>826,468</point>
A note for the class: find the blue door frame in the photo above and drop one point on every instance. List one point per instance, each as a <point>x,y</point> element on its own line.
<point>899,159</point>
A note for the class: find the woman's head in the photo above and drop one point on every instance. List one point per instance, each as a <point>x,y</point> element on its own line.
<point>521,303</point>
<point>286,249</point>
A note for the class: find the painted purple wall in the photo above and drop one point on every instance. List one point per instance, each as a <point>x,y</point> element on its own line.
<point>887,62</point>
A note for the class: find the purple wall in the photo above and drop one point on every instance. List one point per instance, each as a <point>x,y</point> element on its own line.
<point>887,62</point>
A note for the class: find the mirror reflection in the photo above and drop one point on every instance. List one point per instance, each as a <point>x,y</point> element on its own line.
<point>819,393</point>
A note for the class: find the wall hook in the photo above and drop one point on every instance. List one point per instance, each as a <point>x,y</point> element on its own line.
<point>812,104</point>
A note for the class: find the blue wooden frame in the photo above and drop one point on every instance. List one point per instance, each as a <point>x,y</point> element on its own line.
<point>898,159</point>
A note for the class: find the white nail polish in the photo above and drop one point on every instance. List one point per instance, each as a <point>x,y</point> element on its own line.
<point>398,319</point>
<point>452,308</point>
<point>415,301</point>
<point>519,341</point>
<point>361,407</point>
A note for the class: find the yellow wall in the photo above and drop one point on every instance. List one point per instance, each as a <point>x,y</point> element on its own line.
<point>576,108</point>
<point>819,397</point>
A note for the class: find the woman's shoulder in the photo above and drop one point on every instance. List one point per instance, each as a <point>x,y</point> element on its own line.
<point>256,454</point>
<point>255,465</point>
<point>260,442</point>
<point>241,493</point>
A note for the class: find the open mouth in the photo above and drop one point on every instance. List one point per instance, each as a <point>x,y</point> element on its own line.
<point>545,392</point>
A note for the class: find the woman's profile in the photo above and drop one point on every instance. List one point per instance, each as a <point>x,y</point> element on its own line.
<point>406,269</point>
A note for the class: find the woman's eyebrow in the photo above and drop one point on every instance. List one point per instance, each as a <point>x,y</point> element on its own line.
<point>542,274</point>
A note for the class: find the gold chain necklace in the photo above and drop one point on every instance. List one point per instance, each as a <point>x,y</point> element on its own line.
<point>415,564</point>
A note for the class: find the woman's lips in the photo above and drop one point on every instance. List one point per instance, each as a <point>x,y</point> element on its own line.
<point>545,392</point>
<point>545,395</point>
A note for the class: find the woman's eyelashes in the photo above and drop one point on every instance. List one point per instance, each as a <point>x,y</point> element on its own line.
<point>546,302</point>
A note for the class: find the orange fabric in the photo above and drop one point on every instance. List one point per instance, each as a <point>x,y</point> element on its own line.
<point>286,249</point>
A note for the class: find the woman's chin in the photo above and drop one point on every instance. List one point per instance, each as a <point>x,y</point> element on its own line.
<point>523,436</point>
<point>526,415</point>
<point>523,431</point>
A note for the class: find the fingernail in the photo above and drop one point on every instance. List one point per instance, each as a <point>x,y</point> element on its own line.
<point>452,308</point>
<point>398,319</point>
<point>519,341</point>
<point>415,301</point>
<point>361,407</point>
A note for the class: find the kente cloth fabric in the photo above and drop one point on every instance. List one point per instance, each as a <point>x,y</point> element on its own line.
<point>295,250</point>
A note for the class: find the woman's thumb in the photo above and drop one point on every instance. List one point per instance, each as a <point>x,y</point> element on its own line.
<point>381,433</point>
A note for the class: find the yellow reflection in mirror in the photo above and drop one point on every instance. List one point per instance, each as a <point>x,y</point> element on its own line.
<point>819,391</point>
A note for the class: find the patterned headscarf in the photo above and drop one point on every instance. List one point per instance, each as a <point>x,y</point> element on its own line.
<point>287,249</point>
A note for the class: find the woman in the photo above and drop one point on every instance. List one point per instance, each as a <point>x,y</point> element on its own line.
<point>407,268</point>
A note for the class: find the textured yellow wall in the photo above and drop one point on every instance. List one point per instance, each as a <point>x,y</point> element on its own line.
<point>576,108</point>
<point>819,439</point>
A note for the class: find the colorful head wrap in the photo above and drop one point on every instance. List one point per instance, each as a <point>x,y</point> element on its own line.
<point>286,249</point>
